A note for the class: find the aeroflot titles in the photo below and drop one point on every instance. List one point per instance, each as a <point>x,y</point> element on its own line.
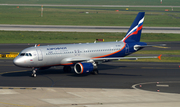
<point>58,48</point>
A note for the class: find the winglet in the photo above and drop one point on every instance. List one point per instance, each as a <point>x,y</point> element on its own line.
<point>38,45</point>
<point>159,57</point>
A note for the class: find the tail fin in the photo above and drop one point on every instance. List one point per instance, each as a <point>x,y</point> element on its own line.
<point>134,33</point>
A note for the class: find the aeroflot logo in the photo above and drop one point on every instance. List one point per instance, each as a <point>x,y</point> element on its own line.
<point>135,29</point>
<point>57,48</point>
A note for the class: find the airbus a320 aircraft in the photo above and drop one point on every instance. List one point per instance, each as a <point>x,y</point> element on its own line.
<point>84,57</point>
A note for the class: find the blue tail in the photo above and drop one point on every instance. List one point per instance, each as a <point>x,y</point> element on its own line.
<point>134,33</point>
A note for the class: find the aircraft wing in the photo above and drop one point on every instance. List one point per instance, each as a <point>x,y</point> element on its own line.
<point>130,58</point>
<point>75,60</point>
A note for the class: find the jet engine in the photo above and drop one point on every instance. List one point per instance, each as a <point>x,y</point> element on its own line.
<point>84,67</point>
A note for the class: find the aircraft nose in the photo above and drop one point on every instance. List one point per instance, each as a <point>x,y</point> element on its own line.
<point>18,62</point>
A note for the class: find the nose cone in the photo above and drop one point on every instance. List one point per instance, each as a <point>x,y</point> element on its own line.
<point>18,62</point>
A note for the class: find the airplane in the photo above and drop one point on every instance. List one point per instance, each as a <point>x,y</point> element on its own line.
<point>84,57</point>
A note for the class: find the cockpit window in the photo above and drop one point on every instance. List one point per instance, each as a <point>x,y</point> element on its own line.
<point>22,54</point>
<point>30,54</point>
<point>25,54</point>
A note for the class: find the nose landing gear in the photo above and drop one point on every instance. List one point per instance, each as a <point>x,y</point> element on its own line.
<point>34,72</point>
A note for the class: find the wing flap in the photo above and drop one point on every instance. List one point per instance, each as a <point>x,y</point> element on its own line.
<point>129,58</point>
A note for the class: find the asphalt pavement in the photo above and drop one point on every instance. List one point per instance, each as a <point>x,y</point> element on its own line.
<point>118,84</point>
<point>116,75</point>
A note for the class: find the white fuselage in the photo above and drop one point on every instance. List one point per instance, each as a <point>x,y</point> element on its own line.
<point>53,55</point>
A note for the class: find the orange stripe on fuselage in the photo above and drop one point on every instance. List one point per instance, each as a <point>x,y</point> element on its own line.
<point>111,53</point>
<point>66,64</point>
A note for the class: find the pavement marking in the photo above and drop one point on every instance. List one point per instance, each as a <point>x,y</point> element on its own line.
<point>161,47</point>
<point>159,85</point>
<point>6,65</point>
<point>157,68</point>
<point>15,104</point>
<point>13,71</point>
<point>15,88</point>
<point>18,88</point>
<point>134,86</point>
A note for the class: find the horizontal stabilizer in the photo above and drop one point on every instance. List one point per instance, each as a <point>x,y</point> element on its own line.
<point>136,47</point>
<point>140,46</point>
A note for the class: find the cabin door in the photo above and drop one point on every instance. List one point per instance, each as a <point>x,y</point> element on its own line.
<point>40,55</point>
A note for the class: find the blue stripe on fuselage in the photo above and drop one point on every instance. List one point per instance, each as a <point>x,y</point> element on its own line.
<point>131,50</point>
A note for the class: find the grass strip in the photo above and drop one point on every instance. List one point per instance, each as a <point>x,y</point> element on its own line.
<point>97,16</point>
<point>158,52</point>
<point>163,59</point>
<point>94,2</point>
<point>76,37</point>
<point>164,52</point>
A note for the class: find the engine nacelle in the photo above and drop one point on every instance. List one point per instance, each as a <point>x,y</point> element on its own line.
<point>82,68</point>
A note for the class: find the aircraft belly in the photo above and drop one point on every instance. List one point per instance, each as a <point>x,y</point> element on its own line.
<point>53,60</point>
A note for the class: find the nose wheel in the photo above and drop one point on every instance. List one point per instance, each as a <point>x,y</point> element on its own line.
<point>34,73</point>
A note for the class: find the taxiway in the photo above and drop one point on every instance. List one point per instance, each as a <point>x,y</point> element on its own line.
<point>116,75</point>
<point>59,5</point>
<point>136,84</point>
<point>66,28</point>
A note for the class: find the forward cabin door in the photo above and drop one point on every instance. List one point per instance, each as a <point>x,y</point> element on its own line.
<point>40,55</point>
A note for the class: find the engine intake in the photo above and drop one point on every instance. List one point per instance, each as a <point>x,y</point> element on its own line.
<point>82,68</point>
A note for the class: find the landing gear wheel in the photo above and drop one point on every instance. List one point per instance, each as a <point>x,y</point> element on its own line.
<point>33,73</point>
<point>95,72</point>
<point>67,69</point>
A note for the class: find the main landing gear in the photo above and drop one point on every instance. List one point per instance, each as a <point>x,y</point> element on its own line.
<point>34,72</point>
<point>95,72</point>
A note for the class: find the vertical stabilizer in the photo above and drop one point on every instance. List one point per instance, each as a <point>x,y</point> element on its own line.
<point>134,33</point>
